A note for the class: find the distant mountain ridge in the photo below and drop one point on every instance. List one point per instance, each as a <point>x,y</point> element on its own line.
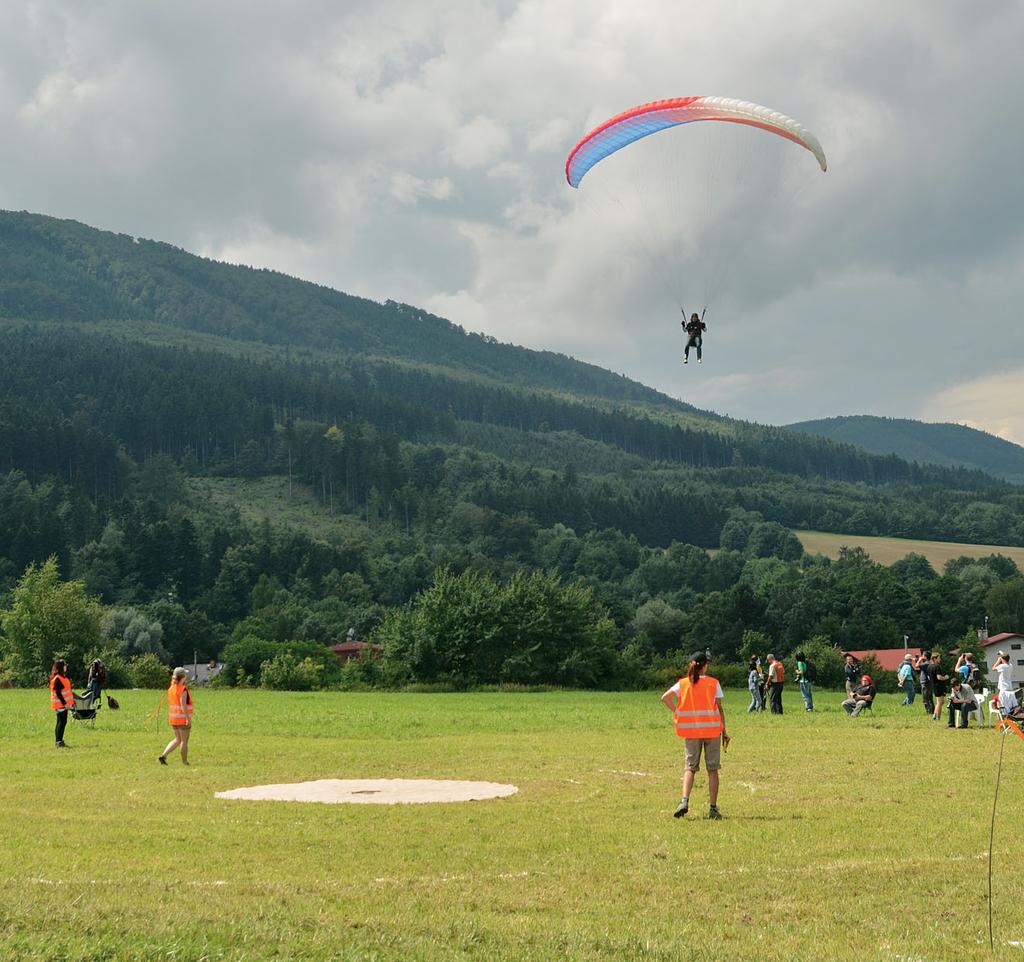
<point>943,444</point>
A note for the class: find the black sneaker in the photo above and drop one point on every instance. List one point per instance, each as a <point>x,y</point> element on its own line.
<point>161,759</point>
<point>714,813</point>
<point>684,807</point>
<point>61,745</point>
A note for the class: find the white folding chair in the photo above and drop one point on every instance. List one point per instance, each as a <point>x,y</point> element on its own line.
<point>978,702</point>
<point>994,714</point>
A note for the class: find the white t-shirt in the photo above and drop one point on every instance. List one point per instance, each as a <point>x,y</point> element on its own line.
<point>719,694</point>
<point>1005,682</point>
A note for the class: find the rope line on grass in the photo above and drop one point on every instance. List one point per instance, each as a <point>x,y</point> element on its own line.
<point>991,836</point>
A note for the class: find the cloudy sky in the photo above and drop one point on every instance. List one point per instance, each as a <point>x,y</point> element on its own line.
<point>414,150</point>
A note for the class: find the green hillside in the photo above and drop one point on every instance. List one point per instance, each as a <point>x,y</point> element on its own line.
<point>64,270</point>
<point>949,445</point>
<point>231,460</point>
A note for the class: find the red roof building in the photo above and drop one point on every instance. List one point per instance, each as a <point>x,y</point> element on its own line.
<point>347,650</point>
<point>1012,643</point>
<point>1005,639</point>
<point>888,658</point>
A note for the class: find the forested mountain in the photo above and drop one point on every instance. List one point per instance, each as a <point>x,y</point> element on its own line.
<point>949,445</point>
<point>378,468</point>
<point>64,270</point>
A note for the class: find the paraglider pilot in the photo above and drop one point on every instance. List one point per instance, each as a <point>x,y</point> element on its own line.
<point>695,328</point>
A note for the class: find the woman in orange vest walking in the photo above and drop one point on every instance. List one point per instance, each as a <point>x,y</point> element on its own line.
<point>179,714</point>
<point>696,702</point>
<point>62,698</point>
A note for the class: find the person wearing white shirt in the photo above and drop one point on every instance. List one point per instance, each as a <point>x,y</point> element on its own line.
<point>1005,686</point>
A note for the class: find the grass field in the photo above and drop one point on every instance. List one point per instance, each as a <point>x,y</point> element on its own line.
<point>887,550</point>
<point>842,839</point>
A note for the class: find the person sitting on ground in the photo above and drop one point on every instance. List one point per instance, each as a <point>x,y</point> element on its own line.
<point>695,328</point>
<point>862,697</point>
<point>962,701</point>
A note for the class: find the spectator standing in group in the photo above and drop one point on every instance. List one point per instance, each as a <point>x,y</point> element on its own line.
<point>863,696</point>
<point>923,664</point>
<point>755,685</point>
<point>804,679</point>
<point>851,674</point>
<point>62,698</point>
<point>1006,694</point>
<point>940,684</point>
<point>905,677</point>
<point>961,700</point>
<point>776,676</point>
<point>968,669</point>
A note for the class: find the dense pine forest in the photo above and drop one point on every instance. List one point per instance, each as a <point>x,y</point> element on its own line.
<point>488,513</point>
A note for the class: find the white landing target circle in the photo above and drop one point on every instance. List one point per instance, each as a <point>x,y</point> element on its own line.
<point>374,791</point>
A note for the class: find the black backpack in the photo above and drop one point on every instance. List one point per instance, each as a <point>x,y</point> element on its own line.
<point>812,670</point>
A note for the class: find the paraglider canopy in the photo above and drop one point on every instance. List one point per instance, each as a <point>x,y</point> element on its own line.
<point>637,122</point>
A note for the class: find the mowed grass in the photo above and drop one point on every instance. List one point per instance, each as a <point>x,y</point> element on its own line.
<point>842,839</point>
<point>886,551</point>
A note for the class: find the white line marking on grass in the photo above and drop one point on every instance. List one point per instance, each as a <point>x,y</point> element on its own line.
<point>430,879</point>
<point>119,882</point>
<point>618,771</point>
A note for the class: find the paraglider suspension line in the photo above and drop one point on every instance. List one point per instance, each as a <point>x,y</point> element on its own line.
<point>991,836</point>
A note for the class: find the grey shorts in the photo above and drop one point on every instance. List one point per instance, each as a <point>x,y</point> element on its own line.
<point>712,748</point>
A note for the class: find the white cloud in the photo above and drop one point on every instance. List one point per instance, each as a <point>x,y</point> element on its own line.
<point>408,189</point>
<point>992,402</point>
<point>479,142</point>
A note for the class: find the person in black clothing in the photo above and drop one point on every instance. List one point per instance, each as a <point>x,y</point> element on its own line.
<point>695,328</point>
<point>862,697</point>
<point>97,679</point>
<point>851,674</point>
<point>924,666</point>
<point>940,684</point>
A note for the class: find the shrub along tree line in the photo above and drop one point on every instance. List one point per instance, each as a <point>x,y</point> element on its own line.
<point>552,627</point>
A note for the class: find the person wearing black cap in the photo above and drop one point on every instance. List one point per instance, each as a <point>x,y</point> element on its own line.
<point>696,703</point>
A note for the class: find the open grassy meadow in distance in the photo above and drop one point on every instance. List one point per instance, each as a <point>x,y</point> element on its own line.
<point>888,550</point>
<point>842,839</point>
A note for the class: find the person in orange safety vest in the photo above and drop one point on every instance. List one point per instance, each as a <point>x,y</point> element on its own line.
<point>62,698</point>
<point>179,714</point>
<point>696,703</point>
